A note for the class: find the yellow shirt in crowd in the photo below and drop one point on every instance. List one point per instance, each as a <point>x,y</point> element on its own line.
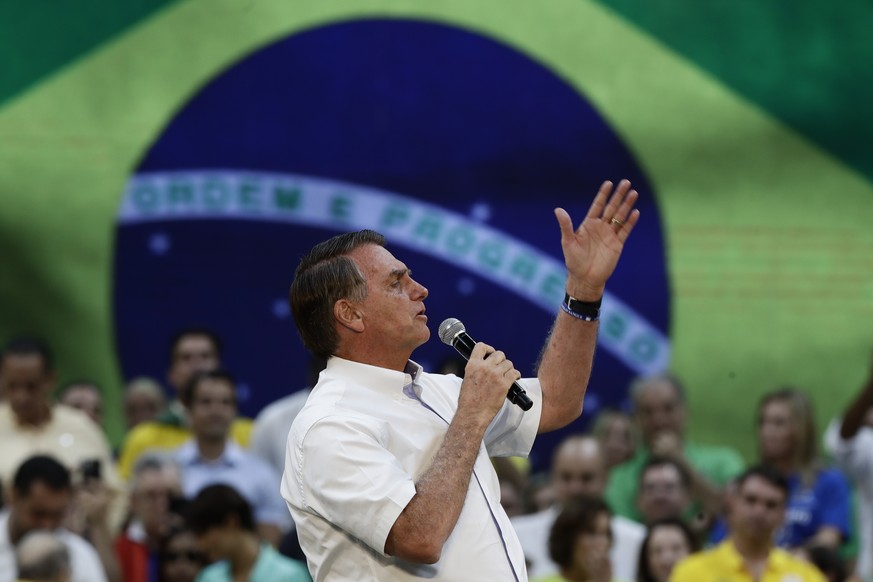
<point>724,564</point>
<point>159,436</point>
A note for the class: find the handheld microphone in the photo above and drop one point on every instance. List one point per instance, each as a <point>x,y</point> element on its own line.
<point>453,333</point>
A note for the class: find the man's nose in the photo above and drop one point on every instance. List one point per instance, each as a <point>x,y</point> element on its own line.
<point>420,291</point>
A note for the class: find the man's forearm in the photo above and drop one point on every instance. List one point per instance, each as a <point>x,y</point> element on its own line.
<point>101,540</point>
<point>857,411</point>
<point>564,370</point>
<point>428,519</point>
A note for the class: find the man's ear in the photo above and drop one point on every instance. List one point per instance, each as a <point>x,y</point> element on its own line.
<point>348,315</point>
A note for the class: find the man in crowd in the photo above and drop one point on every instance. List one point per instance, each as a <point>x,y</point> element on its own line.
<point>387,471</point>
<point>84,395</point>
<point>42,557</point>
<point>41,495</point>
<point>156,501</point>
<point>224,524</point>
<point>850,441</point>
<point>661,413</point>
<point>31,422</point>
<point>192,351</point>
<point>757,511</point>
<point>210,457</point>
<point>665,490</point>
<point>144,400</point>
<point>578,468</point>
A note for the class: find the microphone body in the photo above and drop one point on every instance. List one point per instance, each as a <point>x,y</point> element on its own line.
<point>453,333</point>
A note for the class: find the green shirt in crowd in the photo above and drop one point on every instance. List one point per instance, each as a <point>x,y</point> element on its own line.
<point>270,567</point>
<point>718,464</point>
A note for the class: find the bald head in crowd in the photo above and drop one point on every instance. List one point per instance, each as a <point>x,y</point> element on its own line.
<point>659,406</point>
<point>42,557</point>
<point>578,468</point>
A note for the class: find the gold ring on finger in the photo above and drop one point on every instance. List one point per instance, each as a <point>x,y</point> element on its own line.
<point>617,221</point>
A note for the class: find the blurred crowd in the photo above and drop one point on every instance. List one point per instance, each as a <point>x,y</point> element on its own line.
<point>192,493</point>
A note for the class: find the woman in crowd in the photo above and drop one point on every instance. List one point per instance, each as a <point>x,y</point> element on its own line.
<point>580,540</point>
<point>223,522</point>
<point>819,502</point>
<point>180,558</point>
<point>819,509</point>
<point>667,542</point>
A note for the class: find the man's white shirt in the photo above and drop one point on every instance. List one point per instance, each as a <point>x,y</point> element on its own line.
<point>354,454</point>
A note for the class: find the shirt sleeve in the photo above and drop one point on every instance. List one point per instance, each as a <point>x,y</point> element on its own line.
<point>854,456</point>
<point>513,430</point>
<point>347,476</point>
<point>835,499</point>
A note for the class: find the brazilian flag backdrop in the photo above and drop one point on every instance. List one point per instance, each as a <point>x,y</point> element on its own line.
<point>165,163</point>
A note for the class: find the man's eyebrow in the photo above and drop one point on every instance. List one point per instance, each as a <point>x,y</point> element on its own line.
<point>398,273</point>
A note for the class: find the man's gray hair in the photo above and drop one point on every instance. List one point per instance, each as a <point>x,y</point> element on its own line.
<point>42,557</point>
<point>639,385</point>
<point>153,461</point>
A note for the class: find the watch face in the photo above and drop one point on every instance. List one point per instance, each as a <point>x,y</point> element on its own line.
<point>453,144</point>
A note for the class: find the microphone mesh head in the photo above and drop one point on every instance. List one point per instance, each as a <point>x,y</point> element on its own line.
<point>449,328</point>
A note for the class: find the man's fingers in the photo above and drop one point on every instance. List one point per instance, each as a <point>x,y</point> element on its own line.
<point>564,222</point>
<point>615,201</point>
<point>600,200</point>
<point>481,351</point>
<point>627,205</point>
<point>628,226</point>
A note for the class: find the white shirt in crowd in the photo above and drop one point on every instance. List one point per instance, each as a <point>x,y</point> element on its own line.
<point>855,457</point>
<point>270,431</point>
<point>355,451</point>
<point>84,561</point>
<point>533,531</point>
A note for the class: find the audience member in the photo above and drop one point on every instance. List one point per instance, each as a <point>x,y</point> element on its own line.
<point>819,499</point>
<point>192,351</point>
<point>665,490</point>
<point>615,431</point>
<point>757,512</point>
<point>30,422</point>
<point>660,413</point>
<point>667,542</point>
<point>850,440</point>
<point>40,498</point>
<point>578,468</point>
<point>84,395</point>
<point>210,457</point>
<point>41,556</point>
<point>224,525</point>
<point>180,557</point>
<point>270,430</point>
<point>144,400</point>
<point>579,542</point>
<point>156,502</point>
<point>89,516</point>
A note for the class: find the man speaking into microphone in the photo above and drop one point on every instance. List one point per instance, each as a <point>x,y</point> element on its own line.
<point>387,470</point>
